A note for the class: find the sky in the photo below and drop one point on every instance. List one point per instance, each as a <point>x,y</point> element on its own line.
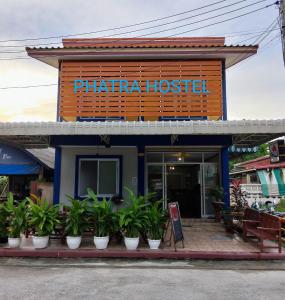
<point>255,87</point>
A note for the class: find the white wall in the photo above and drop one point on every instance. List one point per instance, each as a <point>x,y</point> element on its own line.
<point>68,161</point>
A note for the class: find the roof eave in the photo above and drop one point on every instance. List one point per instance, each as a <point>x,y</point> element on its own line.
<point>230,54</point>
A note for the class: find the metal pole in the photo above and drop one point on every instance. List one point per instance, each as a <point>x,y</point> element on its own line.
<point>282,22</point>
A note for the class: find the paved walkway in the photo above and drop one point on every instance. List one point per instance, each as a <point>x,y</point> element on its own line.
<point>203,239</point>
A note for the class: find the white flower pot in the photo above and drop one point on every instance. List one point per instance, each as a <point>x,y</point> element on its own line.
<point>154,244</point>
<point>131,243</point>
<point>40,242</point>
<point>101,242</point>
<point>14,242</point>
<point>73,242</point>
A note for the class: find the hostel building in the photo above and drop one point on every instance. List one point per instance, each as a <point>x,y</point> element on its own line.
<point>148,114</point>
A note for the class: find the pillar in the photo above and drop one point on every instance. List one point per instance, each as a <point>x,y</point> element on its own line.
<point>225,175</point>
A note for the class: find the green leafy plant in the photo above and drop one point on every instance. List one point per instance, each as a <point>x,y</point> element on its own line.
<point>3,221</point>
<point>133,218</point>
<point>16,216</point>
<point>103,218</point>
<point>217,193</point>
<point>156,218</point>
<point>75,222</point>
<point>280,207</point>
<point>42,217</point>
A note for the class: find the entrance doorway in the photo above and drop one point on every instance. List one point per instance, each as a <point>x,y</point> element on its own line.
<point>185,177</point>
<point>183,186</point>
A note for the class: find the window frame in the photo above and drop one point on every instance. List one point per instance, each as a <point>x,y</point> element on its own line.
<point>98,158</point>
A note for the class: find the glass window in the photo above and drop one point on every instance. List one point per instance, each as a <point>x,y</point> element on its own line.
<point>87,176</point>
<point>101,175</point>
<point>211,157</point>
<point>154,157</point>
<point>181,157</point>
<point>107,179</point>
<point>155,181</point>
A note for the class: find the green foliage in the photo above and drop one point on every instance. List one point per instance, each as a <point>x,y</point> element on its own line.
<point>16,216</point>
<point>280,207</point>
<point>104,219</point>
<point>217,193</point>
<point>133,218</point>
<point>75,222</point>
<point>3,221</point>
<point>262,151</point>
<point>156,218</point>
<point>3,183</point>
<point>42,217</point>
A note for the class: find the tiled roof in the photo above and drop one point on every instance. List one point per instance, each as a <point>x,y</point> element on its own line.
<point>111,43</point>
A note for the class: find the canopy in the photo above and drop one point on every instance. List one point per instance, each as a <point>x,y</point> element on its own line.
<point>14,161</point>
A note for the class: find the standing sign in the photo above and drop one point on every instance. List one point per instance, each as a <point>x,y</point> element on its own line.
<point>277,151</point>
<point>175,219</point>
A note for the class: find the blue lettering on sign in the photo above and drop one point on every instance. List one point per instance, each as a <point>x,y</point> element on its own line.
<point>162,86</point>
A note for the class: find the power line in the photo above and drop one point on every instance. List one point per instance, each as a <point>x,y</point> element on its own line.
<point>54,84</point>
<point>114,28</point>
<point>27,86</point>
<point>168,23</point>
<point>191,30</point>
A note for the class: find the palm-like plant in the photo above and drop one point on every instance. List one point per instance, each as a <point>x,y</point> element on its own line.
<point>133,218</point>
<point>103,218</point>
<point>156,218</point>
<point>3,222</point>
<point>16,218</point>
<point>75,222</point>
<point>42,217</point>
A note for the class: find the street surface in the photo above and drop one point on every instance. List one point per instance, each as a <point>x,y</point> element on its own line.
<point>122,279</point>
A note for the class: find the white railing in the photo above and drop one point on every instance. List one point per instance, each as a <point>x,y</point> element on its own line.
<point>252,188</point>
<point>254,193</point>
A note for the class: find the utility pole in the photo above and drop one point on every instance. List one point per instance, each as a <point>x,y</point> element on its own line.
<point>282,23</point>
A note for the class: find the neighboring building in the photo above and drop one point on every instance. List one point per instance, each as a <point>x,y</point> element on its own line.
<point>148,114</point>
<point>261,176</point>
<point>23,167</point>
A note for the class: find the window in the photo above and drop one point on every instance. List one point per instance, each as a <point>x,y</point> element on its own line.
<point>100,174</point>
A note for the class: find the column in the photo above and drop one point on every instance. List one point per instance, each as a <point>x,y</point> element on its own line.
<point>225,175</point>
<point>57,175</point>
<point>141,168</point>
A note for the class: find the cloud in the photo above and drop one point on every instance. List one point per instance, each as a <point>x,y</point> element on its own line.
<point>255,88</point>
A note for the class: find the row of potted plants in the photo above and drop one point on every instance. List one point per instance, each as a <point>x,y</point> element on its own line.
<point>139,217</point>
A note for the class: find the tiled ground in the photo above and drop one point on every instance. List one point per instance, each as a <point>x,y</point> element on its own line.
<point>200,235</point>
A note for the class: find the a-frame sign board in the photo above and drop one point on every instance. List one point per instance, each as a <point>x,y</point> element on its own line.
<point>174,220</point>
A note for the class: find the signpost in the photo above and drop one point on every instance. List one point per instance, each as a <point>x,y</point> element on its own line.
<point>176,225</point>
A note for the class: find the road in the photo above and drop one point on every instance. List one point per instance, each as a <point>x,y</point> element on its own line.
<point>118,279</point>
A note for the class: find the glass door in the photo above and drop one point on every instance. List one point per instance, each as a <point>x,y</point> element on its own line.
<point>211,180</point>
<point>155,181</point>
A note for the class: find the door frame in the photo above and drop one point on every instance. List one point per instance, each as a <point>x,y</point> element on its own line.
<point>201,175</point>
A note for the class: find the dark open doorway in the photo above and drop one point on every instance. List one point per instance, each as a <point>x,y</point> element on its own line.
<point>183,186</point>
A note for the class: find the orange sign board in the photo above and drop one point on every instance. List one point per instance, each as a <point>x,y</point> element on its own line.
<point>201,98</point>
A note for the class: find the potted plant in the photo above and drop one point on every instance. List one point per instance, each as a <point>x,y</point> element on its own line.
<point>156,218</point>
<point>42,218</point>
<point>132,220</point>
<point>3,224</point>
<point>217,193</point>
<point>102,217</point>
<point>16,220</point>
<point>75,222</point>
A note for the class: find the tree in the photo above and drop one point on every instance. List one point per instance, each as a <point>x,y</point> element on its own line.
<point>262,151</point>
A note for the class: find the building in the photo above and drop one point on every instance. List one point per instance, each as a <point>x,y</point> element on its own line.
<point>264,176</point>
<point>24,169</point>
<point>148,114</point>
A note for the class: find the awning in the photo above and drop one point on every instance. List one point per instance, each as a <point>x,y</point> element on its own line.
<point>14,161</point>
<point>245,133</point>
